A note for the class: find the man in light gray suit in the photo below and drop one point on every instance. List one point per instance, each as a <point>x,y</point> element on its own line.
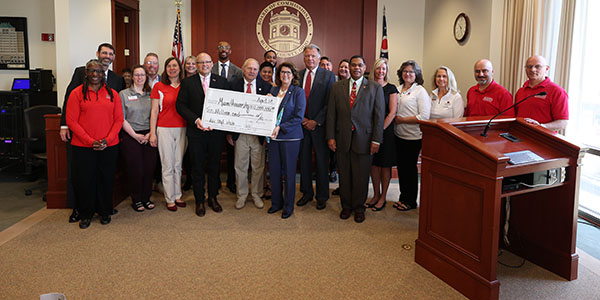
<point>231,72</point>
<point>355,115</point>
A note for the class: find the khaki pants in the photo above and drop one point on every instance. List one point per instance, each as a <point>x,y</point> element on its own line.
<point>249,150</point>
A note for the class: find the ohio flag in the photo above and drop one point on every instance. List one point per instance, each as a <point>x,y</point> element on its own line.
<point>384,44</point>
<point>178,39</point>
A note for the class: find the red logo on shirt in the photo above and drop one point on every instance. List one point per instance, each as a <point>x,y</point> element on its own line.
<point>488,99</point>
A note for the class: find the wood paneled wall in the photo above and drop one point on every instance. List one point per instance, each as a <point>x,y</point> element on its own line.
<point>341,28</point>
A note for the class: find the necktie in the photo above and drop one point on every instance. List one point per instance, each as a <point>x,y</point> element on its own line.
<point>307,85</point>
<point>353,95</point>
<point>223,73</point>
<point>249,89</point>
<point>205,84</point>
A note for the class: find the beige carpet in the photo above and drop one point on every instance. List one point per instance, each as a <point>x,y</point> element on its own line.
<point>244,254</point>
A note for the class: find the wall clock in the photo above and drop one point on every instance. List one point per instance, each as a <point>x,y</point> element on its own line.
<point>461,27</point>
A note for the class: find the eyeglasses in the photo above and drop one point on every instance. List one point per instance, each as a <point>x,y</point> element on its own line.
<point>408,72</point>
<point>223,47</point>
<point>152,63</point>
<point>206,62</point>
<point>286,72</point>
<point>538,67</point>
<point>97,71</point>
<point>139,75</point>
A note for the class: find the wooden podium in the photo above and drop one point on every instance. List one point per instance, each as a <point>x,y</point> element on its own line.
<point>463,202</point>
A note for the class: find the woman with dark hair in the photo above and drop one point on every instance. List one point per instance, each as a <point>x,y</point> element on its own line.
<point>343,70</point>
<point>95,116</point>
<point>413,105</point>
<point>385,158</point>
<point>167,131</point>
<point>140,157</point>
<point>127,77</point>
<point>266,72</point>
<point>285,140</point>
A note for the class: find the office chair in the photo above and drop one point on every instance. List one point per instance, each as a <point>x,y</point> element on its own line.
<point>35,141</point>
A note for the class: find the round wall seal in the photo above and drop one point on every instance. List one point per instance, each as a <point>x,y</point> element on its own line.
<point>284,26</point>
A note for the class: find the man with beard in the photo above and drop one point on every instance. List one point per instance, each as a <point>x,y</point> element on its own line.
<point>487,98</point>
<point>106,55</point>
<point>231,72</point>
<point>151,65</point>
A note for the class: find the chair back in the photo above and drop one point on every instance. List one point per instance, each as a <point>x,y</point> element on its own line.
<point>35,125</point>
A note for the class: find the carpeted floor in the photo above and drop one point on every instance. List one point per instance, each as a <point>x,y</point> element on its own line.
<point>245,254</point>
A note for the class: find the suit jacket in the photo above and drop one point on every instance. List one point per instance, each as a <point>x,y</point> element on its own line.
<point>113,80</point>
<point>319,93</point>
<point>366,115</point>
<point>293,105</point>
<point>233,72</point>
<point>262,88</point>
<point>190,100</point>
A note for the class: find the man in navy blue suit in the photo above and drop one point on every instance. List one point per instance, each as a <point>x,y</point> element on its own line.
<point>248,148</point>
<point>316,83</point>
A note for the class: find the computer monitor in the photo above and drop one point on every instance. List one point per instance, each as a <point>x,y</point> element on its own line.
<point>20,84</point>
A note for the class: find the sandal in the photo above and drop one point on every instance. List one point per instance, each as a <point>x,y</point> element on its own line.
<point>371,205</point>
<point>138,206</point>
<point>403,206</point>
<point>149,204</point>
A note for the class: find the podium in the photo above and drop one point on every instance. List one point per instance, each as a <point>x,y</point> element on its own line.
<point>467,179</point>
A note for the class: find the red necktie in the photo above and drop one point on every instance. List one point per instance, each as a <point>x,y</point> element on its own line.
<point>353,95</point>
<point>249,89</point>
<point>307,90</point>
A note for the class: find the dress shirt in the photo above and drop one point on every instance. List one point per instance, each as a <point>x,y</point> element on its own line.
<point>358,83</point>
<point>313,72</point>
<point>252,87</point>
<point>226,68</point>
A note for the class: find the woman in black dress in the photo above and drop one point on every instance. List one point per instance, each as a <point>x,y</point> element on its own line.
<point>385,159</point>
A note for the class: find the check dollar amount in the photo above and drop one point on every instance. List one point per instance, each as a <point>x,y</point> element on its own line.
<point>240,112</point>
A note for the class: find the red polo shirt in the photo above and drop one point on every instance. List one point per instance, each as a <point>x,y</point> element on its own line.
<point>95,118</point>
<point>544,109</point>
<point>489,102</point>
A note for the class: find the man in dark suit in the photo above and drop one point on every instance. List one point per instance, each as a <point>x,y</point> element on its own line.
<point>205,144</point>
<point>226,69</point>
<point>106,55</point>
<point>249,149</point>
<point>317,83</point>
<point>354,132</point>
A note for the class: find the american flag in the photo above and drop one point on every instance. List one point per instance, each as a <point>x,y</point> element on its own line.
<point>178,39</point>
<point>384,44</point>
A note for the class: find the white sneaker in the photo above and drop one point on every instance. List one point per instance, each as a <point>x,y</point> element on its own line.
<point>259,203</point>
<point>240,203</point>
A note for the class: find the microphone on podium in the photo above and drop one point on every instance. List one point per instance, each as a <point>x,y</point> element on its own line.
<point>489,124</point>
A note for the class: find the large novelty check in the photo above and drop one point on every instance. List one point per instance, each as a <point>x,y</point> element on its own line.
<point>240,112</point>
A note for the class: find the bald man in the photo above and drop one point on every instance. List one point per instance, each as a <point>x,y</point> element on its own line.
<point>487,98</point>
<point>205,144</point>
<point>550,110</point>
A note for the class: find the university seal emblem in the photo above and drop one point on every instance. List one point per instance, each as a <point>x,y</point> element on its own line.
<point>284,26</point>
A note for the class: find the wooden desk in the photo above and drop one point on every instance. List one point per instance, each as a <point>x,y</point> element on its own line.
<point>462,202</point>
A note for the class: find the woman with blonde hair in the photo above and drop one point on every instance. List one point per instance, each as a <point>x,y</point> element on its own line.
<point>385,159</point>
<point>446,101</point>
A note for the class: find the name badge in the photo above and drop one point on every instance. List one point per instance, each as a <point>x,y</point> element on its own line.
<point>132,98</point>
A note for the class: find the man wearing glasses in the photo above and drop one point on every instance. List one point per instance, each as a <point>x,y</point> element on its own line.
<point>106,55</point>
<point>487,98</point>
<point>151,66</point>
<point>550,110</point>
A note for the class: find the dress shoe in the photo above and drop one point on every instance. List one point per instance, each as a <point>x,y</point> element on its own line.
<point>74,217</point>
<point>304,200</point>
<point>332,176</point>
<point>259,203</point>
<point>240,203</point>
<point>105,220</point>
<point>114,211</point>
<point>273,210</point>
<point>200,209</point>
<point>172,208</point>
<point>231,187</point>
<point>345,214</point>
<point>321,204</point>
<point>286,215</point>
<point>85,223</point>
<point>336,192</point>
<point>214,204</point>
<point>359,217</point>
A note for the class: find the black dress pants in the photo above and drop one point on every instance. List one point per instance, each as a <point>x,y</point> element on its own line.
<point>206,151</point>
<point>408,173</point>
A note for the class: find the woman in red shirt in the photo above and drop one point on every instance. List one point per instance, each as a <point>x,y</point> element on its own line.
<point>167,131</point>
<point>95,116</point>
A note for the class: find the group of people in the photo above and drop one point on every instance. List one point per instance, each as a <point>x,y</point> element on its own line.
<point>361,126</point>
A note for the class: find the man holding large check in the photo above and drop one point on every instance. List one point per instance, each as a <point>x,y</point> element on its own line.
<point>248,146</point>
